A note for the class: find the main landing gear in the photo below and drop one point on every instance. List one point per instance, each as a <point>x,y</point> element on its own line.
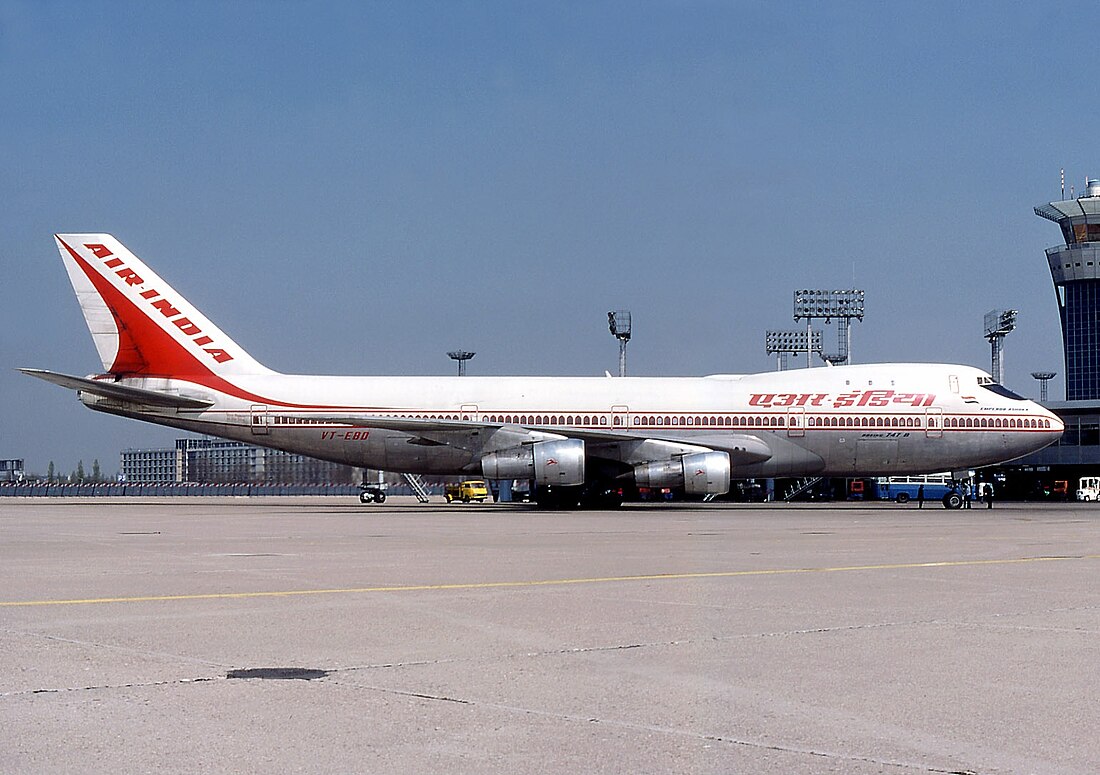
<point>372,494</point>
<point>589,496</point>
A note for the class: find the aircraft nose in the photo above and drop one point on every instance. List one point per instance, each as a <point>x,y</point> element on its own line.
<point>1053,427</point>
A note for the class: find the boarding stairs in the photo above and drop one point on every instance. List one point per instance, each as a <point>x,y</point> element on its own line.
<point>800,486</point>
<point>416,484</point>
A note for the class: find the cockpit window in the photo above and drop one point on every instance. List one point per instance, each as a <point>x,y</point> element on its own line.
<point>1001,390</point>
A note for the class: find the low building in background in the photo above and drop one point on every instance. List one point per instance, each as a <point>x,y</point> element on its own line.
<point>216,461</point>
<point>11,470</point>
<point>149,466</point>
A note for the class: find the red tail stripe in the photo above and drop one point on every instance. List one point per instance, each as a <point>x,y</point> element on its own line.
<point>145,349</point>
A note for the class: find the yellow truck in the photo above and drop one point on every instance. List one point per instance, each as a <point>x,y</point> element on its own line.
<point>470,490</point>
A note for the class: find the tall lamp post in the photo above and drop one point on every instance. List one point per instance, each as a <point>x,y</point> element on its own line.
<point>999,323</point>
<point>461,356</point>
<point>618,321</point>
<point>784,343</point>
<point>1044,377</point>
<point>841,306</point>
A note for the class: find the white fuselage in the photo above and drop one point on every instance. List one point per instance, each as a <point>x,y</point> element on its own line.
<point>845,421</point>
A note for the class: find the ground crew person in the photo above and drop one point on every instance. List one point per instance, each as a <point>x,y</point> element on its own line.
<point>920,497</point>
<point>989,495</point>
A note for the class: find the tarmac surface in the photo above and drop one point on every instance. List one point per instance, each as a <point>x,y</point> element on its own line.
<point>851,638</point>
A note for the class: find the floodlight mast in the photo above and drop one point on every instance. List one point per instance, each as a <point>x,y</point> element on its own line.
<point>1044,377</point>
<point>461,356</point>
<point>618,322</point>
<point>784,343</point>
<point>842,306</point>
<point>999,323</point>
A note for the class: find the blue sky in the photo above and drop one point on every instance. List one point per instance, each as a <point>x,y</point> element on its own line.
<point>358,189</point>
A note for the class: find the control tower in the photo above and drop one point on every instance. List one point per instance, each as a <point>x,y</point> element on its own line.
<point>1075,269</point>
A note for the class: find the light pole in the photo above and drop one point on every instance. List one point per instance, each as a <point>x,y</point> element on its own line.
<point>784,343</point>
<point>999,323</point>
<point>461,356</point>
<point>618,321</point>
<point>841,306</point>
<point>1044,377</point>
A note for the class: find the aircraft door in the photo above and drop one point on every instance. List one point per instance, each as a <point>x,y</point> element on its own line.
<point>796,421</point>
<point>261,420</point>
<point>933,422</point>
<point>619,416</point>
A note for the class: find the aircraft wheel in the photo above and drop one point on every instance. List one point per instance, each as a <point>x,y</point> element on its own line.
<point>380,497</point>
<point>952,500</point>
<point>558,497</point>
<point>602,498</point>
<point>903,497</point>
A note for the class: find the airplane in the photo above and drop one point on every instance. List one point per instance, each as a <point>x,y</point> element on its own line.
<point>580,440</point>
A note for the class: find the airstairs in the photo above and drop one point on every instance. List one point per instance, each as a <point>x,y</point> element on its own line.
<point>800,486</point>
<point>416,484</point>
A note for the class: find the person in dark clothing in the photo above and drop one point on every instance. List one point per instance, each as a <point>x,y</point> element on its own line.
<point>989,496</point>
<point>967,495</point>
<point>920,497</point>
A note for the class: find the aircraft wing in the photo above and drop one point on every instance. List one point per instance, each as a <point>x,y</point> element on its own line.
<point>118,392</point>
<point>742,448</point>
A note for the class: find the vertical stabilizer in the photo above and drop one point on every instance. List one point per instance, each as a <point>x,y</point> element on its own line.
<point>141,326</point>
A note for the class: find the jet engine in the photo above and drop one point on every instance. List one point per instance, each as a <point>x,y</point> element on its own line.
<point>559,462</point>
<point>701,473</point>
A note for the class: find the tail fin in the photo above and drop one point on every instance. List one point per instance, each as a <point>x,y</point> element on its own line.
<point>140,325</point>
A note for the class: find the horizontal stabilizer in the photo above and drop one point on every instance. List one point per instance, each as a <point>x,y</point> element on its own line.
<point>118,392</point>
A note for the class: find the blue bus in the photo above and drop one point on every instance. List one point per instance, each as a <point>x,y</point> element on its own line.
<point>904,488</point>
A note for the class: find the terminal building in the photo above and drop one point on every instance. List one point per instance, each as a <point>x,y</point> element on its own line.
<point>217,461</point>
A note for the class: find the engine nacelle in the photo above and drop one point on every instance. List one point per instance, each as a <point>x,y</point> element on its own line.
<point>701,473</point>
<point>559,462</point>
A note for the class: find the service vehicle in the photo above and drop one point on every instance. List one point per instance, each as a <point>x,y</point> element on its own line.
<point>469,490</point>
<point>1088,489</point>
<point>904,488</point>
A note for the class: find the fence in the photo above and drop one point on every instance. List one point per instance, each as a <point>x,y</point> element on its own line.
<point>115,489</point>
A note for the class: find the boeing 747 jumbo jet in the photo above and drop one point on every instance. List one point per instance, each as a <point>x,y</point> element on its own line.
<point>579,439</point>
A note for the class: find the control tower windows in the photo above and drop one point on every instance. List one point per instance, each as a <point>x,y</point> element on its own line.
<point>1081,232</point>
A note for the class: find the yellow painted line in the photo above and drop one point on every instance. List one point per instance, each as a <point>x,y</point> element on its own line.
<point>539,583</point>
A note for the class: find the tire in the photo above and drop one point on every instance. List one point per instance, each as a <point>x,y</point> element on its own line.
<point>364,497</point>
<point>952,500</point>
<point>380,497</point>
<point>552,497</point>
<point>903,497</point>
